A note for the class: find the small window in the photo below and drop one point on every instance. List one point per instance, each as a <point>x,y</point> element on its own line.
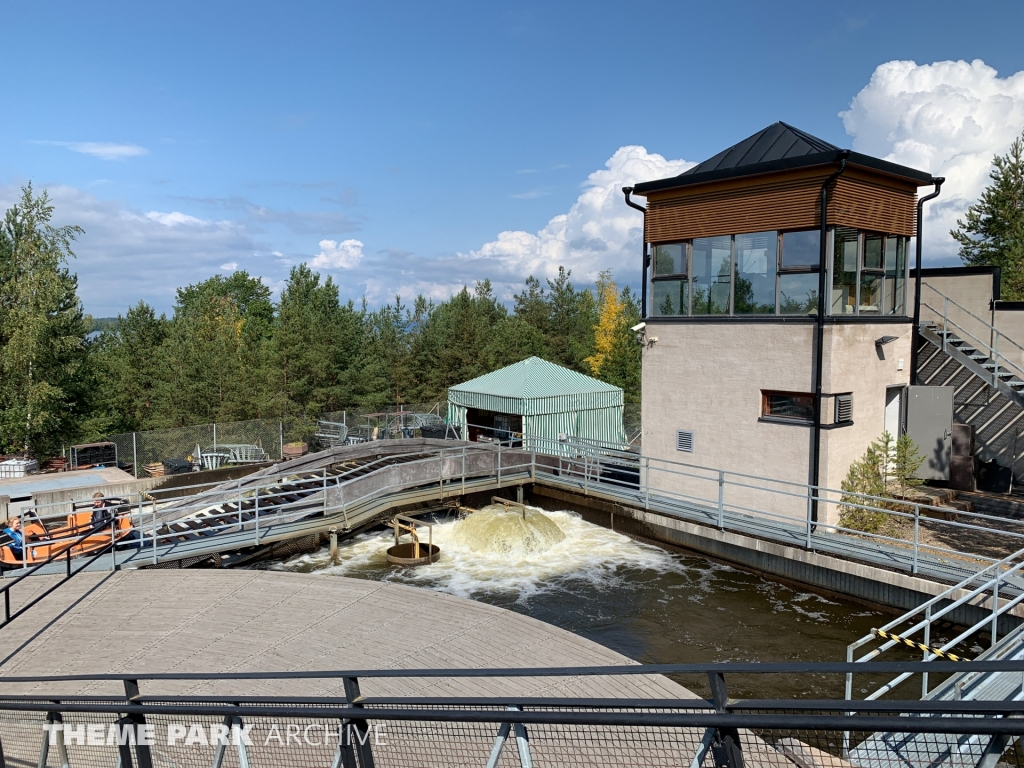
<point>844,409</point>
<point>684,440</point>
<point>788,406</point>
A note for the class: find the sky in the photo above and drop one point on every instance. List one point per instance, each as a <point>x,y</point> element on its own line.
<point>407,148</point>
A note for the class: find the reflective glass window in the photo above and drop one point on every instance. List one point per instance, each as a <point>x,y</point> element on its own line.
<point>801,249</point>
<point>798,293</point>
<point>670,259</point>
<point>870,293</point>
<point>844,271</point>
<point>756,263</point>
<point>873,252</point>
<point>788,405</point>
<point>711,269</point>
<point>895,275</point>
<point>669,297</point>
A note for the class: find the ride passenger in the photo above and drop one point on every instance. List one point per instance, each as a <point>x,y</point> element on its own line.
<point>102,512</point>
<point>17,544</point>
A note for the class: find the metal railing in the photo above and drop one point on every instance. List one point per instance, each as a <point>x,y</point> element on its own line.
<point>145,720</point>
<point>990,348</point>
<point>917,629</point>
<point>912,536</point>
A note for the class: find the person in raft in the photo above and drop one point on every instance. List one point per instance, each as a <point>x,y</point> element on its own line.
<point>17,543</point>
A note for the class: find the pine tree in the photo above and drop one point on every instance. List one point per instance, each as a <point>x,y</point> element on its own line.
<point>45,379</point>
<point>993,232</point>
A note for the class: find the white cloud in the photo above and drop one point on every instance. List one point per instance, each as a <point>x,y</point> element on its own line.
<point>231,266</point>
<point>175,218</point>
<point>104,150</point>
<point>126,255</point>
<point>949,119</point>
<point>598,232</point>
<point>334,255</point>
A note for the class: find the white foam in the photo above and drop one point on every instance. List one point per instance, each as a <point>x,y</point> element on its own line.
<point>588,553</point>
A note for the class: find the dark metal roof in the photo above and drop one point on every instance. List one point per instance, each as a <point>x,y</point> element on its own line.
<point>778,147</point>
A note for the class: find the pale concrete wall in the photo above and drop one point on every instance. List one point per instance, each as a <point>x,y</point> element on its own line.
<point>853,363</point>
<point>708,377</point>
<point>972,292</point>
<point>1010,323</point>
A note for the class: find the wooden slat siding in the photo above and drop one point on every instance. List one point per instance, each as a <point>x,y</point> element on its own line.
<point>781,201</point>
<point>874,203</point>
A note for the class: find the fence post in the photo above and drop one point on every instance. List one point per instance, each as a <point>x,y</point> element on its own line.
<point>215,436</point>
<point>256,510</point>
<point>154,534</point>
<point>113,542</point>
<point>586,474</point>
<point>917,528</point>
<point>280,425</point>
<point>135,456</point>
<point>721,500</point>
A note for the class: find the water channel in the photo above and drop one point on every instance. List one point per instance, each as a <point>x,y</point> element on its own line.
<point>646,602</point>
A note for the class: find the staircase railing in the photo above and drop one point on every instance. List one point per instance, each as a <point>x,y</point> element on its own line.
<point>989,348</point>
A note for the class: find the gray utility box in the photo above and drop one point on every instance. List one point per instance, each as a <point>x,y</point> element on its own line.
<point>930,425</point>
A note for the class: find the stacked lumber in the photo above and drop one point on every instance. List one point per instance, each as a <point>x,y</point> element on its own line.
<point>156,469</point>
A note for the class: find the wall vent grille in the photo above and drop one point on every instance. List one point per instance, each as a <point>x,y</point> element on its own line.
<point>684,440</point>
<point>844,408</point>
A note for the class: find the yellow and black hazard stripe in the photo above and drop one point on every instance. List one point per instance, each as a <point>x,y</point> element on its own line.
<point>918,646</point>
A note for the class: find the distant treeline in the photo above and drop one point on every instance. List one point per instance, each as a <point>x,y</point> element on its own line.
<point>228,352</point>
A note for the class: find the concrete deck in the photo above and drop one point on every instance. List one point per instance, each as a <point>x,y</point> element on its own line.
<point>236,621</point>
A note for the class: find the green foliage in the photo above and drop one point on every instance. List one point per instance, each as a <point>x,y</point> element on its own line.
<point>886,471</point>
<point>993,232</point>
<point>228,352</point>
<point>45,375</point>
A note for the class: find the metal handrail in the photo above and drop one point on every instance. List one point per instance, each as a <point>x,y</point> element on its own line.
<point>984,322</point>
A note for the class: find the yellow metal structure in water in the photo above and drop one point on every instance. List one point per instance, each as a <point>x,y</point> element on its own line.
<point>414,552</point>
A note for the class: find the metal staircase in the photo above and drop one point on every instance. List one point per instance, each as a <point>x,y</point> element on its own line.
<point>984,367</point>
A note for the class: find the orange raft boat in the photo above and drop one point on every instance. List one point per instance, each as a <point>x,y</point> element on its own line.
<point>73,539</point>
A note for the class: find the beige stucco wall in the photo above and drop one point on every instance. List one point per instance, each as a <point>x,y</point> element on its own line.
<point>972,292</point>
<point>1010,323</point>
<point>708,377</point>
<point>853,363</point>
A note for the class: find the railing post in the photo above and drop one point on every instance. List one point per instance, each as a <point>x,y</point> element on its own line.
<point>917,535</point>
<point>586,474</point>
<point>721,500</point>
<point>945,321</point>
<point>135,456</point>
<point>256,511</point>
<point>325,491</point>
<point>995,359</point>
<point>499,465</point>
<point>810,507</point>
<point>647,482</point>
<point>142,753</point>
<point>154,534</point>
<point>927,643</point>
<point>725,745</point>
<point>113,542</point>
<point>362,741</point>
<point>995,610</point>
<point>239,510</point>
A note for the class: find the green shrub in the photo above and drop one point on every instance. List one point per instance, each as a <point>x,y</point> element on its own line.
<point>886,470</point>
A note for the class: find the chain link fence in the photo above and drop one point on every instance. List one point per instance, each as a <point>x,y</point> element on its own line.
<point>212,445</point>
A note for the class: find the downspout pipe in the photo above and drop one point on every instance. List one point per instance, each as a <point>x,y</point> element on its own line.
<point>627,191</point>
<point>915,337</point>
<point>819,336</point>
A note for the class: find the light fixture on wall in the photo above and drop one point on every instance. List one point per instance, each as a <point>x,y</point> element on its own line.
<point>885,340</point>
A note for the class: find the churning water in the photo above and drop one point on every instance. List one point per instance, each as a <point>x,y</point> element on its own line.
<point>646,602</point>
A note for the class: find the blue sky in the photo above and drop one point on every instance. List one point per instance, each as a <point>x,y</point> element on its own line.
<point>190,137</point>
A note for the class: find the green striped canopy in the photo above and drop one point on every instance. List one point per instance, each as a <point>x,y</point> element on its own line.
<point>553,401</point>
